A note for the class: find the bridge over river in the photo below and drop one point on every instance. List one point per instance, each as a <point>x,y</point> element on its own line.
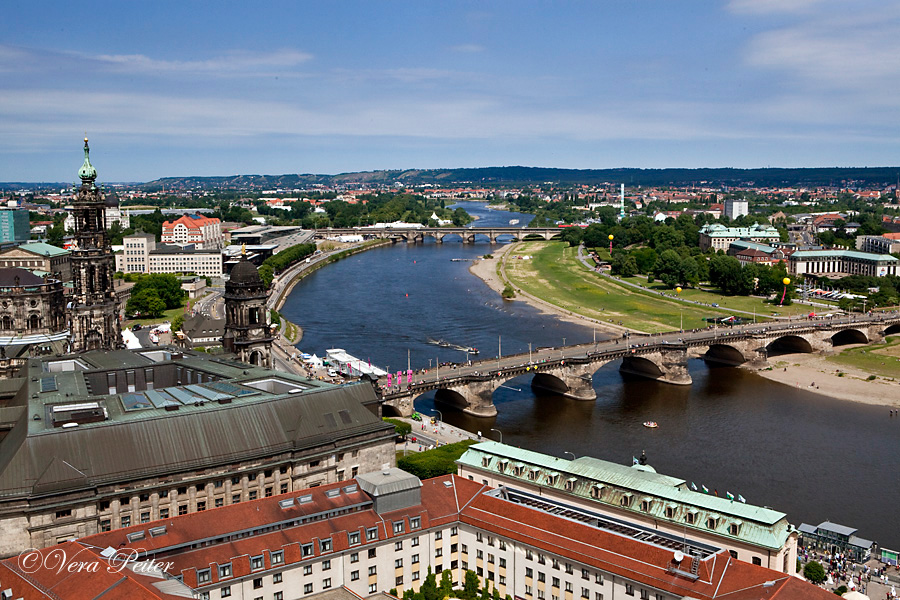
<point>568,370</point>
<point>411,235</point>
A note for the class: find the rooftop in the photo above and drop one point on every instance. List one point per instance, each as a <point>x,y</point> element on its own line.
<point>854,254</point>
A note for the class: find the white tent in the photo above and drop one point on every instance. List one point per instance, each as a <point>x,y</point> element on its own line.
<point>854,595</point>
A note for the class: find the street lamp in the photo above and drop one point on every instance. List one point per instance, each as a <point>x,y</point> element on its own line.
<point>680,308</point>
<point>499,432</point>
<point>610,246</point>
<point>529,353</point>
<point>440,416</point>
<point>572,453</point>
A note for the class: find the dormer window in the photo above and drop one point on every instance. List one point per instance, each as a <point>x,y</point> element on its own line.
<point>645,505</point>
<point>691,517</point>
<point>734,528</point>
<point>670,512</point>
<point>625,500</point>
<point>596,491</point>
<point>712,522</point>
<point>570,484</point>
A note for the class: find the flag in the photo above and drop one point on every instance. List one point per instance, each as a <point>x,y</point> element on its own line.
<point>693,486</point>
<point>635,461</point>
<point>705,489</point>
<point>716,492</point>
<point>742,499</point>
<point>730,495</point>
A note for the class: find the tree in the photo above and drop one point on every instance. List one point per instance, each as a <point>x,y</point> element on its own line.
<point>429,589</point>
<point>460,217</point>
<point>572,235</point>
<point>146,302</point>
<point>446,587</point>
<point>167,286</point>
<point>668,268</point>
<point>814,572</point>
<point>470,586</point>
<point>401,428</point>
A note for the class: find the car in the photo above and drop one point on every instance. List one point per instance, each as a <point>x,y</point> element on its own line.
<point>715,305</point>
<point>137,327</point>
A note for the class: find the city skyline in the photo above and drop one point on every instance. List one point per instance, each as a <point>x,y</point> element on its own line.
<point>190,89</point>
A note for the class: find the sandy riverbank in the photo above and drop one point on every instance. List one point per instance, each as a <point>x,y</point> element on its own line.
<point>486,270</point>
<point>802,369</point>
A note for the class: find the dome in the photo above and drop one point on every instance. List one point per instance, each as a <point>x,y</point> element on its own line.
<point>87,172</point>
<point>245,274</point>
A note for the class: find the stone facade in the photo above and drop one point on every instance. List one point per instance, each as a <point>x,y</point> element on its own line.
<point>247,332</point>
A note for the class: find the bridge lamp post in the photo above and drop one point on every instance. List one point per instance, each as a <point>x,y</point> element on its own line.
<point>572,453</point>
<point>440,416</point>
<point>499,432</point>
<point>680,308</point>
<point>529,353</point>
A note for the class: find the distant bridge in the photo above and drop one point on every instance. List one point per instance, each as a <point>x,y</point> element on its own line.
<point>411,235</point>
<point>568,370</point>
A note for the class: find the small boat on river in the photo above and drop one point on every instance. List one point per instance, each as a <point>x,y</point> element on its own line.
<point>651,424</point>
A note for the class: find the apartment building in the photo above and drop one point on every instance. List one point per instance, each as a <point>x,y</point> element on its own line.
<point>200,231</point>
<point>720,237</point>
<point>384,530</point>
<point>842,262</point>
<point>141,254</point>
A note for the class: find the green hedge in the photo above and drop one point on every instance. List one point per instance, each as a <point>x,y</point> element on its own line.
<point>432,463</point>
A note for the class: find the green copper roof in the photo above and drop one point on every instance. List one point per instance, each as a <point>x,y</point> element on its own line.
<point>668,499</point>
<point>835,254</point>
<point>87,172</point>
<point>43,249</point>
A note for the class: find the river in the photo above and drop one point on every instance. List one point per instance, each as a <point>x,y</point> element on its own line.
<point>812,457</point>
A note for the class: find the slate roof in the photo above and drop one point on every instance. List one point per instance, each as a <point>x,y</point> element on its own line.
<point>36,457</point>
<point>757,525</point>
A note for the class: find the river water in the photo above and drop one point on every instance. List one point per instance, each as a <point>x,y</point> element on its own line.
<point>812,457</point>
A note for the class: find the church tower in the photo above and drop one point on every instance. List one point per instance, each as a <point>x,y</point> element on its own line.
<point>94,320</point>
<point>247,332</point>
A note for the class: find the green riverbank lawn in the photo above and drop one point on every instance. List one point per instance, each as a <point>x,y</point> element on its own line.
<point>555,275</point>
<point>881,359</point>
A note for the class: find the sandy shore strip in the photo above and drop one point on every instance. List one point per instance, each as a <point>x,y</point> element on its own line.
<point>802,369</point>
<point>486,270</point>
<point>813,373</point>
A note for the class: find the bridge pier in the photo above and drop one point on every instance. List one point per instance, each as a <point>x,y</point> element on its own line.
<point>473,398</point>
<point>666,366</point>
<point>570,380</point>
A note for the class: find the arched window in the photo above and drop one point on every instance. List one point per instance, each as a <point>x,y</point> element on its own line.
<point>34,322</point>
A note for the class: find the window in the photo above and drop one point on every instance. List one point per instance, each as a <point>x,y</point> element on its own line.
<point>276,578</point>
<point>438,552</point>
<point>399,580</point>
<point>670,512</point>
<point>502,544</point>
<point>63,513</point>
<point>371,552</point>
<point>326,565</point>
<point>542,577</point>
<point>398,545</point>
<point>252,494</point>
<point>354,575</point>
<point>556,563</point>
<point>568,586</point>
<point>438,534</point>
<point>354,558</point>
<point>277,557</point>
<point>105,525</point>
<point>416,522</point>
<point>373,587</point>
<point>200,506</point>
<point>126,521</point>
<point>712,523</point>
<point>756,560</point>
<point>306,550</point>
<point>541,559</point>
<point>226,591</point>
<point>414,542</point>
<point>453,530</point>
<point>585,574</point>
<point>585,593</point>
<point>599,578</point>
<point>183,509</point>
<point>734,529</point>
<point>490,541</point>
<point>326,583</point>
<point>645,595</point>
<point>629,589</point>
<point>502,563</point>
<point>454,548</point>
<point>398,527</point>
<point>690,518</point>
<point>415,559</point>
<point>307,588</point>
<point>373,570</point>
<point>278,596</point>
<point>529,572</point>
<point>465,549</point>
<point>528,590</point>
<point>257,583</point>
<point>478,537</point>
<point>235,498</point>
<point>325,545</point>
<point>256,562</point>
<point>502,580</point>
<point>491,558</point>
<point>354,537</point>
<point>568,569</point>
<point>307,569</point>
<point>598,596</point>
<point>733,553</point>
<point>398,563</point>
<point>164,513</point>
<point>225,570</point>
<point>203,576</point>
<point>415,576</point>
<point>372,534</point>
<point>479,554</point>
<point>555,582</point>
<point>529,555</point>
<point>219,502</point>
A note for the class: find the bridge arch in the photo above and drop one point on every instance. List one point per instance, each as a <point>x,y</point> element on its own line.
<point>548,382</point>
<point>450,398</point>
<point>849,336</point>
<point>638,365</point>
<point>893,329</point>
<point>789,344</point>
<point>724,354</point>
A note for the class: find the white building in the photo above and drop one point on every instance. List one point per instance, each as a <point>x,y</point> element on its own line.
<point>140,254</point>
<point>734,208</point>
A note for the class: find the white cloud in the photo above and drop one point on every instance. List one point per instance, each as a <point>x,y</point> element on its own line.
<point>761,7</point>
<point>468,48</point>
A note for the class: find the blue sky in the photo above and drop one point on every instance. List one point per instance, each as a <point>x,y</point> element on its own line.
<point>219,88</point>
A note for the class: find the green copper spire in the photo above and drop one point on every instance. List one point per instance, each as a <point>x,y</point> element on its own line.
<point>87,172</point>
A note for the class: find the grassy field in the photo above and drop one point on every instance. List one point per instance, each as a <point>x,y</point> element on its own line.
<point>555,275</point>
<point>166,316</point>
<point>881,359</point>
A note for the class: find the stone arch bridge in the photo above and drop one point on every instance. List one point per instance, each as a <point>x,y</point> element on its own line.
<point>411,235</point>
<point>568,371</point>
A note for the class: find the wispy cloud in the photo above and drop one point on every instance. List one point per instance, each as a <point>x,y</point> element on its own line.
<point>468,48</point>
<point>760,7</point>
